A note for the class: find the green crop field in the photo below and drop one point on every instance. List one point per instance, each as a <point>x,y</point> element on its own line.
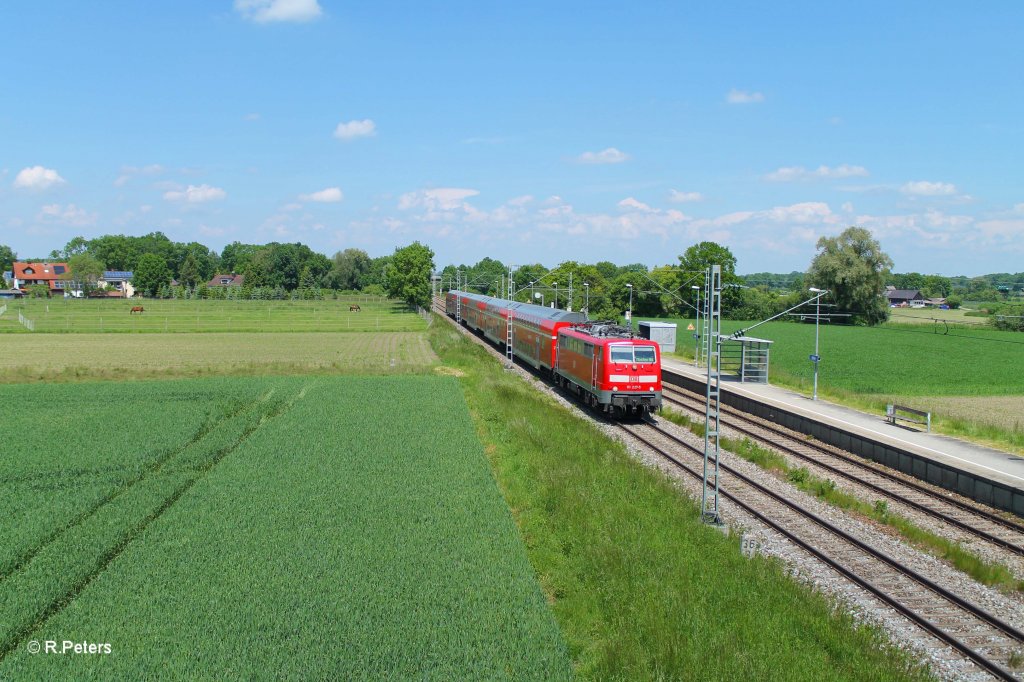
<point>317,528</point>
<point>69,315</point>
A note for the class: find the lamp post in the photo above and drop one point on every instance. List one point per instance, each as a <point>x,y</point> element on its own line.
<point>555,284</point>
<point>539,295</point>
<point>817,318</point>
<point>630,320</point>
<point>586,287</point>
<point>696,333</point>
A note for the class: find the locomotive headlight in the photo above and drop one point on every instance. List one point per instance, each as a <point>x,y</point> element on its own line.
<point>615,388</point>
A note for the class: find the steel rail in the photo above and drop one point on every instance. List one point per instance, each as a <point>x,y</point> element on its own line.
<point>917,487</point>
<point>990,666</point>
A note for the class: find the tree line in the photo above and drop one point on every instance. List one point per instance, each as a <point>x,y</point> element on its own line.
<point>168,269</point>
<point>852,266</point>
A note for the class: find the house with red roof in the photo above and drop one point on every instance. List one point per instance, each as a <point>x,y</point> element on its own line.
<point>53,275</point>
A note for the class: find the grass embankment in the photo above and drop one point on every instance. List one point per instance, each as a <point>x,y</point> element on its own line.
<point>87,357</point>
<point>286,535</point>
<point>642,589</point>
<point>961,376</point>
<point>986,572</point>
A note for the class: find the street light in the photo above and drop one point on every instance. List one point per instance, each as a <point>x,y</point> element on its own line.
<point>539,295</point>
<point>555,284</point>
<point>630,320</point>
<point>586,287</point>
<point>817,318</point>
<point>696,334</point>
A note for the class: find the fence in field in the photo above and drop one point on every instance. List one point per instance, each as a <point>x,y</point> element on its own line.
<point>425,314</point>
<point>3,309</point>
<point>29,324</point>
<point>227,316</point>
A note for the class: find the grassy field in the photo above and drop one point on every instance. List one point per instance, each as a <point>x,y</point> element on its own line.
<point>966,376</point>
<point>317,528</point>
<point>79,357</point>
<point>642,590</point>
<point>69,315</point>
<point>892,359</point>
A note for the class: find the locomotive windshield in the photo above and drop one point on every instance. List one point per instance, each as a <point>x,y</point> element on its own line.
<point>622,354</point>
<point>630,354</point>
<point>644,354</point>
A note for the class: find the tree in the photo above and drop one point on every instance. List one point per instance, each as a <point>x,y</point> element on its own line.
<point>347,268</point>
<point>408,274</point>
<point>854,269</point>
<point>189,274</point>
<point>150,274</point>
<point>696,260</point>
<point>7,258</point>
<point>75,247</point>
<point>86,271</point>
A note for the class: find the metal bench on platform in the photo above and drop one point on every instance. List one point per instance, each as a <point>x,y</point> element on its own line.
<point>892,415</point>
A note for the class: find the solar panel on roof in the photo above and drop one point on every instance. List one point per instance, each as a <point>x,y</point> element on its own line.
<point>58,269</point>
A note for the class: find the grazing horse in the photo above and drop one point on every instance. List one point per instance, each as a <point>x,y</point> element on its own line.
<point>136,309</point>
<point>354,308</point>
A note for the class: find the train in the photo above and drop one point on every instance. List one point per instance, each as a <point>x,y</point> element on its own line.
<point>605,364</point>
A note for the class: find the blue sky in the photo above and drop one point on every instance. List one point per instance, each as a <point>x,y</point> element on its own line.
<point>527,131</point>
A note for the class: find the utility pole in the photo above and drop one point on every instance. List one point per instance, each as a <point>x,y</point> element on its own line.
<point>713,349</point>
<point>816,358</point>
<point>696,331</point>
<point>509,334</point>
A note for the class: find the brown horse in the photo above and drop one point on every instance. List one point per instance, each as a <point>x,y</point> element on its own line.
<point>136,309</point>
<point>354,308</point>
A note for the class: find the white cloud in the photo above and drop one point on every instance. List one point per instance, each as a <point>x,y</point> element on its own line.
<point>330,195</point>
<point>266,11</point>
<point>743,97</point>
<point>251,117</point>
<point>354,129</point>
<point>609,155</point>
<point>847,207</point>
<point>923,188</point>
<point>791,173</point>
<point>67,215</point>
<point>196,194</point>
<point>631,203</point>
<point>677,197</point>
<point>526,199</point>
<point>438,199</point>
<point>38,178</point>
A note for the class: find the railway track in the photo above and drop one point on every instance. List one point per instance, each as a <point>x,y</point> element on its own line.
<point>980,523</point>
<point>978,635</point>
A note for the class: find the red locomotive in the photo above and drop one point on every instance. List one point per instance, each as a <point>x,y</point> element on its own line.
<point>603,363</point>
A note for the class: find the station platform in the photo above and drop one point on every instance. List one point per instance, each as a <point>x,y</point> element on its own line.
<point>982,473</point>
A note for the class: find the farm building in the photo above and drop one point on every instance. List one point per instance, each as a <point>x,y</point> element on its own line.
<point>904,297</point>
<point>51,274</point>
<point>231,280</point>
<point>120,281</point>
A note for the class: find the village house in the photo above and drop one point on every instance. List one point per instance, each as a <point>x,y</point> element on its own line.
<point>53,275</point>
<point>231,280</point>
